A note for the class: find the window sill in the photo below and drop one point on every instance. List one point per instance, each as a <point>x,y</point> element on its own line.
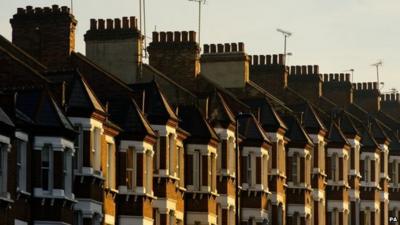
<point>23,193</point>
<point>203,192</point>
<point>6,197</point>
<point>89,172</point>
<point>166,176</point>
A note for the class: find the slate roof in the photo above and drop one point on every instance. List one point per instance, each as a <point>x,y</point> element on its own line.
<point>219,113</point>
<point>296,133</point>
<point>193,122</point>
<point>251,130</point>
<point>335,135</point>
<point>155,105</point>
<point>269,118</point>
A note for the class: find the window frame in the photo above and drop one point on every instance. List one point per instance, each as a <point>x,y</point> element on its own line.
<point>49,168</point>
<point>131,186</point>
<point>22,149</point>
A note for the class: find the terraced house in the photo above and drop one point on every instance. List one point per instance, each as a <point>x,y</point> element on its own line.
<point>197,136</point>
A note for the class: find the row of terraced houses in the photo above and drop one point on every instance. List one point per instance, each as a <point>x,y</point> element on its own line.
<point>196,136</point>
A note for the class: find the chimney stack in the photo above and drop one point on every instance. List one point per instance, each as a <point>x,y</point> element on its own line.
<point>368,96</point>
<point>338,88</point>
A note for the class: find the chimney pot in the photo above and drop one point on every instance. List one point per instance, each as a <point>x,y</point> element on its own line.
<point>326,77</point>
<point>155,37</point>
<point>117,23</point>
<point>29,9</point>
<point>298,70</point>
<point>93,24</point>
<point>125,23</point>
<point>185,36</point>
<point>310,69</point>
<point>393,97</point>
<point>192,36</point>
<point>292,70</point>
<point>220,48</point>
<point>275,59</point>
<point>241,47</point>
<point>255,60</point>
<point>227,47</point>
<point>177,37</point>
<point>163,37</point>
<point>206,48</point>
<point>55,8</point>
<point>268,59</point>
<point>281,58</point>
<point>397,97</point>
<point>262,59</point>
<point>347,77</point>
<point>316,69</point>
<point>213,48</point>
<point>234,47</point>
<point>110,24</point>
<point>303,70</point>
<point>342,77</point>
<point>133,23</point>
<point>47,10</point>
<point>101,24</point>
<point>374,86</point>
<point>64,9</point>
<point>38,10</point>
<point>170,36</point>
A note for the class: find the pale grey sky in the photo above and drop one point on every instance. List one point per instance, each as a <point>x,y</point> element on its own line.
<point>335,34</point>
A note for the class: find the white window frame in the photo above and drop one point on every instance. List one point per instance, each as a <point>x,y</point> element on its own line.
<point>22,146</point>
<point>110,165</point>
<point>79,147</point>
<point>4,148</point>
<point>149,172</point>
<point>96,148</point>
<point>133,170</point>
<point>296,168</point>
<point>67,171</point>
<point>197,169</point>
<point>49,168</point>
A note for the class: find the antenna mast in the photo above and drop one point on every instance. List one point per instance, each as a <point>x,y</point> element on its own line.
<point>72,6</point>
<point>286,34</point>
<point>199,28</point>
<point>377,65</point>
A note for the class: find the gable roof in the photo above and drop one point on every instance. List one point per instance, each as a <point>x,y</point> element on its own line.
<point>296,133</point>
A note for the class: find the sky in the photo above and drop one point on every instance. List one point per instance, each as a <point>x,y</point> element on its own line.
<point>337,35</point>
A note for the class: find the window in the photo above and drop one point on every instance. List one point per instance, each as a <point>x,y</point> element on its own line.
<point>335,217</point>
<point>231,156</point>
<point>367,217</point>
<point>156,214</point>
<point>3,168</point>
<point>321,156</point>
<point>197,169</point>
<point>96,150</point>
<point>357,158</point>
<point>149,173</point>
<point>296,168</point>
<point>346,167</point>
<point>180,165</point>
<point>110,165</point>
<point>21,164</point>
<point>171,217</point>
<point>213,168</point>
<point>67,171</point>
<point>264,172</point>
<point>78,143</point>
<point>249,174</point>
<point>46,167</point>
<point>335,167</point>
<point>157,153</point>
<point>171,150</point>
<point>78,218</point>
<point>366,174</point>
<point>394,174</point>
<point>307,175</point>
<point>251,221</point>
<point>296,219</point>
<point>131,169</point>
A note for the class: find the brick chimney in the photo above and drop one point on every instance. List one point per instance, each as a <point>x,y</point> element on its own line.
<point>306,80</point>
<point>269,72</point>
<point>116,47</point>
<point>367,95</point>
<point>176,54</point>
<point>338,88</point>
<point>48,34</point>
<point>226,64</point>
<point>390,104</point>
